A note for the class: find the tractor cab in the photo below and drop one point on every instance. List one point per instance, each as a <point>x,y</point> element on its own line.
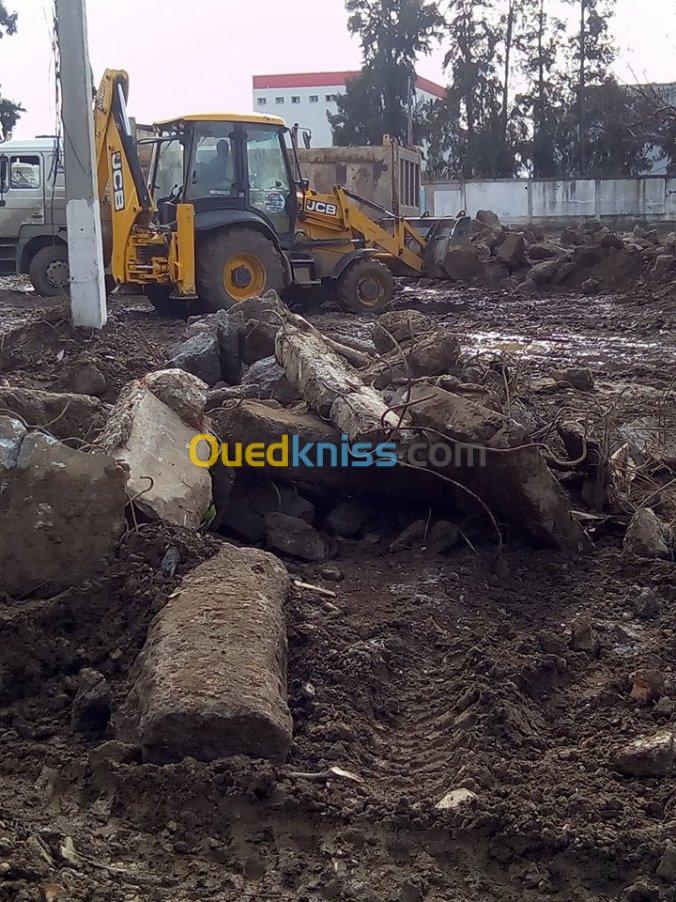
<point>231,168</point>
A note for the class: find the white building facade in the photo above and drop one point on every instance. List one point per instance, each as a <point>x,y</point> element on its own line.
<point>306,98</point>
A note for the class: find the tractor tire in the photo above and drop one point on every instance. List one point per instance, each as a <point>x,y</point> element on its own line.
<point>160,297</point>
<point>237,264</point>
<point>366,286</point>
<point>48,271</point>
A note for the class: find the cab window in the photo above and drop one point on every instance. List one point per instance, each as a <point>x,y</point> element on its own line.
<point>213,172</point>
<point>269,184</point>
<point>169,170</point>
<point>24,172</point>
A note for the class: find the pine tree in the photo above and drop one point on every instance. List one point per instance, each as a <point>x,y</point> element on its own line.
<point>9,111</point>
<point>393,34</point>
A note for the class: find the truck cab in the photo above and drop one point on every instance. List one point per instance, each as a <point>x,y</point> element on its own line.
<point>33,213</point>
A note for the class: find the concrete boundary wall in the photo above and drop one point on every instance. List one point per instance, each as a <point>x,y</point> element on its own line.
<point>649,199</point>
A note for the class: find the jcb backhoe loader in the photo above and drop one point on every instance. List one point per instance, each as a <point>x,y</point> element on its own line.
<point>227,215</point>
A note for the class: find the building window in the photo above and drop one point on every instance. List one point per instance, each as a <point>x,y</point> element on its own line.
<point>262,101</point>
<point>331,98</point>
<point>314,98</point>
<point>295,100</point>
<point>279,100</point>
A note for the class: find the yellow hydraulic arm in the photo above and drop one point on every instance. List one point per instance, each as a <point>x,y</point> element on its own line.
<point>142,251</point>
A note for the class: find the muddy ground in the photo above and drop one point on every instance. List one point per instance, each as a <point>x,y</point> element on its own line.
<point>425,673</point>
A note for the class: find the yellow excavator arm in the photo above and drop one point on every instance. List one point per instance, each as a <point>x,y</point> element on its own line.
<point>142,252</point>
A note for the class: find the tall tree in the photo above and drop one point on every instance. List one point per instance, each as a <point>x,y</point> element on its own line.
<point>542,101</point>
<point>393,33</point>
<point>9,111</point>
<point>593,52</point>
<point>475,90</point>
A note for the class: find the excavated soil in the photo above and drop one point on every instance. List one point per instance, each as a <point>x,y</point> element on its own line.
<point>424,674</point>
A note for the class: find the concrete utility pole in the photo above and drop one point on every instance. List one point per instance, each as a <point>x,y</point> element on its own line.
<point>83,215</point>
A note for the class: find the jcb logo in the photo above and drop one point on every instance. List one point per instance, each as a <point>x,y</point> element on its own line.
<point>118,181</point>
<point>318,206</point>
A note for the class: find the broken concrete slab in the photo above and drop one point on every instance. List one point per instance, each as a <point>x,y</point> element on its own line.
<point>61,515</point>
<point>512,251</point>
<point>516,484</point>
<point>210,681</point>
<point>226,328</point>
<point>271,380</point>
<point>200,355</point>
<point>461,263</point>
<point>650,441</point>
<point>332,387</point>
<point>182,392</point>
<point>12,433</point>
<point>647,536</point>
<point>153,442</point>
<point>404,326</point>
<point>64,415</point>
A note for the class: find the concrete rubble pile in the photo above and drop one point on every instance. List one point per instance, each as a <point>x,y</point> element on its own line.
<point>590,257</point>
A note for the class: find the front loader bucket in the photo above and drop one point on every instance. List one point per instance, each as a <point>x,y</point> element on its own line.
<point>444,234</point>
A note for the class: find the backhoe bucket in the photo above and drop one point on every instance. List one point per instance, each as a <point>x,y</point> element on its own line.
<point>443,235</point>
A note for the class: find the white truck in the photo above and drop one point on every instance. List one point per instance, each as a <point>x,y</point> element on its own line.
<point>33,214</point>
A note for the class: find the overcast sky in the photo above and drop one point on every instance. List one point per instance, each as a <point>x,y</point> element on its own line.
<point>199,56</point>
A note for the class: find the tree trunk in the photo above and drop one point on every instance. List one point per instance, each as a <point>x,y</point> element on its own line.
<point>582,137</point>
<point>540,114</point>
<point>505,87</point>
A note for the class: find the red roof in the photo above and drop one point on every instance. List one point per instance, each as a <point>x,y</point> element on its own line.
<point>331,79</point>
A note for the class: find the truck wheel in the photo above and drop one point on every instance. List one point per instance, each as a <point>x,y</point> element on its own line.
<point>237,264</point>
<point>48,271</point>
<point>160,297</point>
<point>366,286</point>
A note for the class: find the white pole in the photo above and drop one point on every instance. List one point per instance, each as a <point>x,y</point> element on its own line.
<point>83,215</point>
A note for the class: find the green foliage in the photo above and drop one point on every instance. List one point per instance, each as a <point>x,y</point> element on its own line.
<point>9,111</point>
<point>393,33</point>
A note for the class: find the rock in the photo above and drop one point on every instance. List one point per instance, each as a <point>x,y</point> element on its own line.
<point>210,681</point>
<point>222,485</point>
<point>611,241</point>
<point>570,237</point>
<point>271,380</point>
<point>494,273</point>
<point>461,263</point>
<point>647,685</point>
<point>153,441</point>
<point>61,516</point>
<point>582,636</point>
<point>443,536</point>
<point>579,377</point>
<point>296,537</point>
<point>455,798</point>
<point>227,328</point>
<point>649,441</point>
<point>250,500</point>
<point>82,377</point>
<point>665,707</point>
<point>650,756</point>
<point>512,251</point>
<point>647,536</point>
<point>664,267</point>
<point>218,396</point>
<point>646,606</point>
<point>114,752</point>
<point>489,218</point>
<point>183,393</point>
<point>200,355</point>
<point>590,286</point>
<point>544,272</point>
<point>330,571</point>
<point>63,414</point>
<point>592,226</point>
<point>413,535</point>
<point>12,434</point>
<point>349,518</point>
<point>528,286</point>
<point>518,486</point>
<point>91,706</point>
<point>542,252</point>
<point>644,233</point>
<point>435,354</point>
<point>404,326</point>
<point>666,869</point>
<point>587,256</point>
